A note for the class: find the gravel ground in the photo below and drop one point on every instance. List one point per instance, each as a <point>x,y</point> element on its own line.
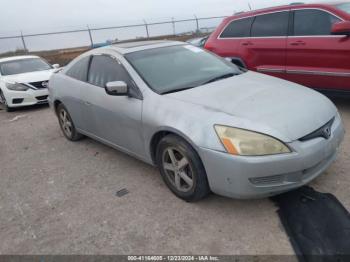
<point>59,197</point>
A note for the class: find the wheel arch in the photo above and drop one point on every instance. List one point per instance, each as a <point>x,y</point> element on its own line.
<point>56,104</point>
<point>157,136</point>
<point>1,90</point>
<point>4,100</point>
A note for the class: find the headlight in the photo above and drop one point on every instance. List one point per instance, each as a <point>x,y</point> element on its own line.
<point>17,87</point>
<point>248,143</point>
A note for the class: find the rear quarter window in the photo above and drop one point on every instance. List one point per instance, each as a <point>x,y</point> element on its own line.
<point>313,22</point>
<point>238,28</point>
<point>79,70</point>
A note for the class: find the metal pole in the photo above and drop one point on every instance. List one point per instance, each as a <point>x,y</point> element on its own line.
<point>24,43</point>
<point>90,35</point>
<point>146,26</point>
<point>174,29</point>
<point>197,24</point>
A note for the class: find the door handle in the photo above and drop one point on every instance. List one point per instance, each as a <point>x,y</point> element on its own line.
<point>247,43</point>
<point>297,43</point>
<point>87,103</point>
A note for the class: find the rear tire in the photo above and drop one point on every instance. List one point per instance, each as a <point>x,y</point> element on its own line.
<point>182,169</point>
<point>4,103</point>
<point>67,125</point>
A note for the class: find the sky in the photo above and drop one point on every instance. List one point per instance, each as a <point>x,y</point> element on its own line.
<point>38,16</point>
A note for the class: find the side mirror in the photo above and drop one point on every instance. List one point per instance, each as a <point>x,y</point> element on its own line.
<point>56,66</point>
<point>203,41</point>
<point>341,28</point>
<point>117,88</point>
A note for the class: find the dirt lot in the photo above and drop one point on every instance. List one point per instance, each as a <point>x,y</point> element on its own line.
<point>58,197</point>
<point>64,56</point>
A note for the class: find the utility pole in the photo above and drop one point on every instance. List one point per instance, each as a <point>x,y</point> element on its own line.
<point>90,35</point>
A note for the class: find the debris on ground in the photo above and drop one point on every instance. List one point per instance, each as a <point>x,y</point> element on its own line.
<point>122,192</point>
<point>316,223</point>
<point>17,118</point>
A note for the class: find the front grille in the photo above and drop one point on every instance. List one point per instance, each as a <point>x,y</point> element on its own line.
<point>17,100</point>
<point>267,180</point>
<point>41,97</point>
<point>39,85</point>
<point>323,131</point>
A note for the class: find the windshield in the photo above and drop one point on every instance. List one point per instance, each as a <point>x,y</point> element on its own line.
<point>175,68</point>
<point>23,66</point>
<point>345,7</point>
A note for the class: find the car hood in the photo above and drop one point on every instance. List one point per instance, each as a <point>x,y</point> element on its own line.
<point>288,108</point>
<point>29,77</point>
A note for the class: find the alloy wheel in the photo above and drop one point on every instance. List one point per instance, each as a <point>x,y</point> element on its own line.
<point>178,169</point>
<point>66,123</point>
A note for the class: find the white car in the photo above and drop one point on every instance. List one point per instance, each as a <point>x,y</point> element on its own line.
<point>24,81</point>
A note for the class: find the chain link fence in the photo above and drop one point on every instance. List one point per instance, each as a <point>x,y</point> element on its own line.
<point>97,36</point>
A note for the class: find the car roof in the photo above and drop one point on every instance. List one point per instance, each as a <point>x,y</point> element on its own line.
<point>14,58</point>
<point>336,2</point>
<point>130,47</point>
<point>294,5</point>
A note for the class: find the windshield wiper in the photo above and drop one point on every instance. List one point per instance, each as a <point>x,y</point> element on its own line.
<point>177,90</point>
<point>217,78</point>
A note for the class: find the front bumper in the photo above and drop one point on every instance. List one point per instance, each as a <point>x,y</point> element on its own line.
<point>26,98</point>
<point>257,177</point>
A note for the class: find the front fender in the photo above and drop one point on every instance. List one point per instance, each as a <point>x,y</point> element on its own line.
<point>193,123</point>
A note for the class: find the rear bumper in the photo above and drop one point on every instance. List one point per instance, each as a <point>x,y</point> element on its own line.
<point>26,98</point>
<point>257,177</point>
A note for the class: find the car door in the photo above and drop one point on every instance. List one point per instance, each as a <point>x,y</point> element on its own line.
<point>227,42</point>
<point>77,78</point>
<point>115,120</point>
<point>265,50</point>
<point>315,57</point>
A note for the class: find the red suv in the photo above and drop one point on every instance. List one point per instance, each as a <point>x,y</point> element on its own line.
<point>304,43</point>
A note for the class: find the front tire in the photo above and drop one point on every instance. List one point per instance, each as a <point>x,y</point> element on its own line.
<point>4,102</point>
<point>67,125</point>
<point>182,169</point>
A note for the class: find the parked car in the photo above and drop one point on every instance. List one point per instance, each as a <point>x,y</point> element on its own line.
<point>199,41</point>
<point>24,81</point>
<point>305,43</point>
<point>206,124</point>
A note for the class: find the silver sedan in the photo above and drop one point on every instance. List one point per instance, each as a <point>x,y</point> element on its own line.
<point>207,125</point>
